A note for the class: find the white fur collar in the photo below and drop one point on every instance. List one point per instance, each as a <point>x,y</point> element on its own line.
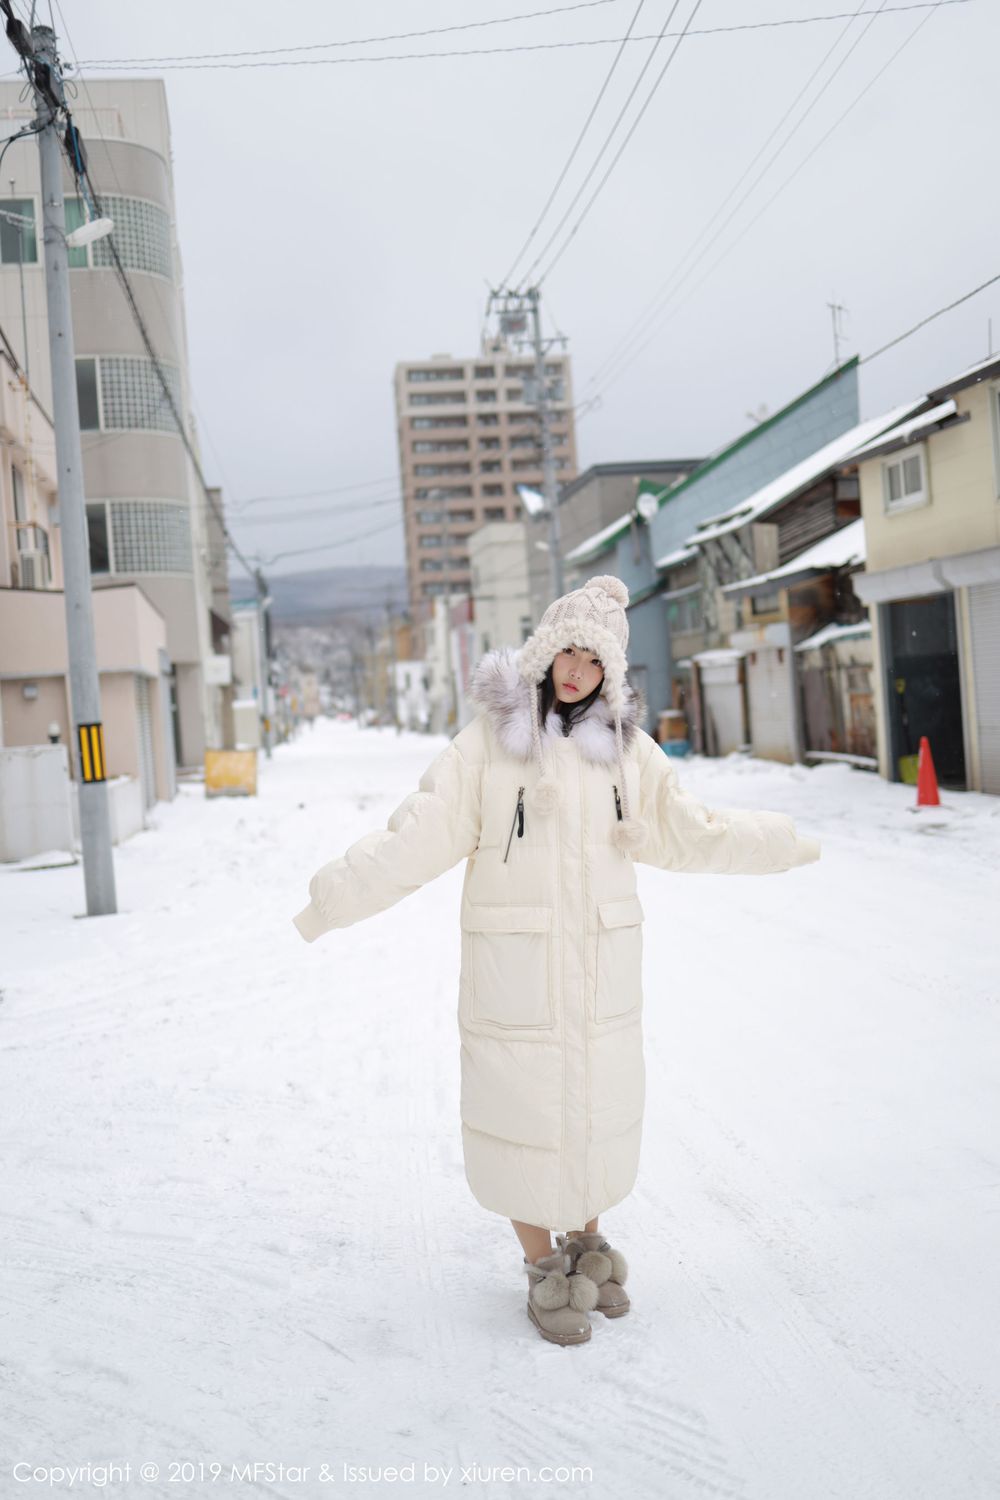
<point>498,687</point>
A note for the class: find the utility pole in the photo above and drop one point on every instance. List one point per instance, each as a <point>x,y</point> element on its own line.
<point>393,696</point>
<point>39,53</point>
<point>550,488</point>
<point>263,600</point>
<point>516,310</point>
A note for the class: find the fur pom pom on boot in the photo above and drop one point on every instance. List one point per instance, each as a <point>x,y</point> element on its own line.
<point>559,1298</point>
<point>593,1257</point>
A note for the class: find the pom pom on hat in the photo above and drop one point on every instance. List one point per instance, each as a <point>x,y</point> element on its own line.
<point>611,586</point>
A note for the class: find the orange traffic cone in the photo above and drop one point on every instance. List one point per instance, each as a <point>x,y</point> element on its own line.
<point>927,787</point>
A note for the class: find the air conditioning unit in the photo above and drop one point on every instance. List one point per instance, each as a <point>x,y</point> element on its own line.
<point>32,569</point>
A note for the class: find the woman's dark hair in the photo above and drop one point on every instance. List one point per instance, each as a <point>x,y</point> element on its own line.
<point>568,712</point>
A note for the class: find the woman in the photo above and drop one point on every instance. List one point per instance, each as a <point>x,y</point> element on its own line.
<point>537,793</point>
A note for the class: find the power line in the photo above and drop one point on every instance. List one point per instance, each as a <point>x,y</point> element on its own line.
<point>346,541</point>
<point>652,332</point>
<point>640,323</point>
<point>621,149</point>
<point>155,65</point>
<point>867,358</point>
<point>579,141</point>
<point>609,137</point>
<point>357,41</point>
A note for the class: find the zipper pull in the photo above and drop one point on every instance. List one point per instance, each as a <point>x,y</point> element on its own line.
<point>618,805</point>
<point>517,818</point>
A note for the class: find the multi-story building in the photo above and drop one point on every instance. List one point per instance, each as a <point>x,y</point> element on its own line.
<point>468,435</point>
<point>147,515</point>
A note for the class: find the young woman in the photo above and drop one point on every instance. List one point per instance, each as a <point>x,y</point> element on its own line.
<point>552,793</point>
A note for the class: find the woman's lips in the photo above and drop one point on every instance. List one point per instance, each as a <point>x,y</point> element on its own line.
<point>571,686</point>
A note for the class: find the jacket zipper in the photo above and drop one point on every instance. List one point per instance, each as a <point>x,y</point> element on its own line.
<point>518,818</point>
<point>618,805</point>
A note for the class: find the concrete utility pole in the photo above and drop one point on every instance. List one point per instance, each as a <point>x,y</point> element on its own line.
<point>85,692</point>
<point>263,602</point>
<point>550,486</point>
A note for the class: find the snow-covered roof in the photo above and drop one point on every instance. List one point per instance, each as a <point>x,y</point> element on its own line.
<point>594,543</point>
<point>673,559</point>
<point>719,654</point>
<point>905,432</point>
<point>799,477</point>
<point>840,549</point>
<point>834,632</point>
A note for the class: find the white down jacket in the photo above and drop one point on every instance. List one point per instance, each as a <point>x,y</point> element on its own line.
<point>550,988</point>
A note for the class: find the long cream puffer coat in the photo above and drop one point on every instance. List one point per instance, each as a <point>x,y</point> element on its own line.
<point>550,988</point>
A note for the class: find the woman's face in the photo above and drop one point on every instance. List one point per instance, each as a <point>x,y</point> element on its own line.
<point>575,673</point>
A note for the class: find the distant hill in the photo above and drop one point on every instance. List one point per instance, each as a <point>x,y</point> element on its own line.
<point>323,595</point>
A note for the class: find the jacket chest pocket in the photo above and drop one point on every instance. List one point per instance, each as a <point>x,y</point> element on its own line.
<point>619,959</point>
<point>508,952</point>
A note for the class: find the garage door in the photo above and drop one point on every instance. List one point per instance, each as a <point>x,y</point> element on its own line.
<point>984,614</point>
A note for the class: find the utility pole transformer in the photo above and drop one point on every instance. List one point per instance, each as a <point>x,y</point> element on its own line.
<point>85,692</point>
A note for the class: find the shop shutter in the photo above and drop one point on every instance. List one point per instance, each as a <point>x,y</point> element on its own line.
<point>984,614</point>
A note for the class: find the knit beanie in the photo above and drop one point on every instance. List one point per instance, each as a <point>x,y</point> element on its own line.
<point>592,617</point>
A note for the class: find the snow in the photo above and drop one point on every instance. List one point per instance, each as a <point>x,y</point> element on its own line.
<point>673,559</point>
<point>842,548</point>
<point>905,432</point>
<point>834,632</point>
<point>594,544</point>
<point>235,1217</point>
<point>798,477</point>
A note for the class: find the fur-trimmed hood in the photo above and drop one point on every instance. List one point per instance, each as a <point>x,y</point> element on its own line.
<point>498,687</point>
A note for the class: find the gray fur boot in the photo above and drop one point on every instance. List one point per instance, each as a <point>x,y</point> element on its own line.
<point>592,1256</point>
<point>559,1298</point>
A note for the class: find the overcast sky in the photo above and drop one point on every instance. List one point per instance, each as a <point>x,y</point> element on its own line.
<point>336,218</point>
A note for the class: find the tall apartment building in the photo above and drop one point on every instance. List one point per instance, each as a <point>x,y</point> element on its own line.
<point>468,434</point>
<point>146,514</point>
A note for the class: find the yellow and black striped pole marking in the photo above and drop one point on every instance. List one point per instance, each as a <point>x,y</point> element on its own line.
<point>91,741</point>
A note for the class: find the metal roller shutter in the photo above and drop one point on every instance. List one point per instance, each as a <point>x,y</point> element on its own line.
<point>984,616</point>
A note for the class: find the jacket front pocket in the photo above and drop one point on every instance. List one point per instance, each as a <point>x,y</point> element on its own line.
<point>619,958</point>
<point>509,964</point>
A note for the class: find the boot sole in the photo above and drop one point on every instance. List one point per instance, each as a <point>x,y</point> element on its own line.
<point>558,1338</point>
<point>615,1312</point>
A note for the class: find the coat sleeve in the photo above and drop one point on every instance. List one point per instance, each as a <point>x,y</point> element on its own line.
<point>682,834</point>
<point>431,830</point>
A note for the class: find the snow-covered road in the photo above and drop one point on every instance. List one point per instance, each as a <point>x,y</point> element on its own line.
<point>236,1226</point>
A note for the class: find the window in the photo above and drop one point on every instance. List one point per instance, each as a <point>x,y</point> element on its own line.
<point>492,489</point>
<point>17,485</point>
<point>86,395</point>
<point>429,541</point>
<point>461,515</point>
<point>439,492</point>
<point>433,590</point>
<point>421,422</point>
<point>437,398</point>
<point>141,236</point>
<point>122,391</point>
<point>516,393</point>
<point>447,445</point>
<point>489,443</point>
<point>458,562</point>
<point>429,517</point>
<point>685,614</point>
<point>454,373</point>
<point>518,372</point>
<point>97,532</point>
<point>491,466</point>
<point>431,565</point>
<point>488,419</point>
<point>522,442</point>
<point>765,604</point>
<point>485,372</point>
<point>429,470</point>
<point>904,479</point>
<point>18,244</point>
<point>150,536</point>
<point>484,397</point>
<point>495,513</point>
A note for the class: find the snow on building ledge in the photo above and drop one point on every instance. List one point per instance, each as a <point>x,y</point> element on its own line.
<point>841,549</point>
